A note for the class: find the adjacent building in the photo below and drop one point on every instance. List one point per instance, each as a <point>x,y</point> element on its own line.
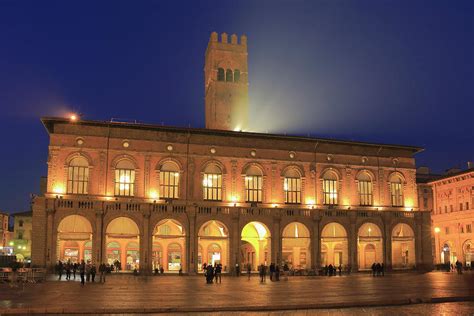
<point>4,233</point>
<point>453,216</point>
<point>148,196</point>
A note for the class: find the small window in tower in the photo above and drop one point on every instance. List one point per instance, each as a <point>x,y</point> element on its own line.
<point>220,74</point>
<point>236,75</point>
<point>229,76</point>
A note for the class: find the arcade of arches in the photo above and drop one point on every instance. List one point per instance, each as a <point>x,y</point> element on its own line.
<point>169,245</point>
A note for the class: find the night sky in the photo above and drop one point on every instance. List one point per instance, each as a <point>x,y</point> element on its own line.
<point>384,71</point>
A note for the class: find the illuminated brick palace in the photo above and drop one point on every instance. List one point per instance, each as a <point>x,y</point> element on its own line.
<point>151,196</point>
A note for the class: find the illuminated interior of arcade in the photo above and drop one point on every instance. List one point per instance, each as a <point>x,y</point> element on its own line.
<point>296,246</point>
<point>74,241</point>
<point>169,242</point>
<point>370,246</point>
<point>255,247</point>
<point>403,247</point>
<point>213,243</point>
<point>334,245</point>
<point>122,241</point>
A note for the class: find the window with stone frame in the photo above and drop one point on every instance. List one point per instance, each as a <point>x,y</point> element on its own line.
<point>364,184</point>
<point>292,186</point>
<point>330,188</point>
<point>169,180</point>
<point>396,191</point>
<point>253,185</point>
<point>212,183</point>
<point>125,178</point>
<point>77,176</point>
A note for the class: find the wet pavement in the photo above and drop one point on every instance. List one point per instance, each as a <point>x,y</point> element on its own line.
<point>129,294</point>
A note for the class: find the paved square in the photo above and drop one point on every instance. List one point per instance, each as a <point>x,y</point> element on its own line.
<point>126,293</point>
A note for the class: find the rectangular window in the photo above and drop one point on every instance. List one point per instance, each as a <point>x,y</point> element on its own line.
<point>169,184</point>
<point>292,187</point>
<point>212,187</point>
<point>124,182</point>
<point>460,206</point>
<point>253,188</point>
<point>77,180</point>
<point>467,205</point>
<point>397,193</point>
<point>446,230</point>
<point>365,192</point>
<point>451,208</point>
<point>468,228</point>
<point>445,208</point>
<point>330,192</point>
<point>461,229</point>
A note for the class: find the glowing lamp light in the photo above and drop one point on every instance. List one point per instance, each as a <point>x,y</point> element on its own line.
<point>437,230</point>
<point>274,205</point>
<point>73,117</point>
<point>153,194</point>
<point>58,189</point>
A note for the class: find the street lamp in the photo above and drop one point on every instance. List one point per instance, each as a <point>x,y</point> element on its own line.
<point>437,230</point>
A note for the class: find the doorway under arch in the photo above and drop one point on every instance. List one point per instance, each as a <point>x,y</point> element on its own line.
<point>369,245</point>
<point>296,240</point>
<point>74,232</point>
<point>213,241</point>
<point>403,247</point>
<point>334,241</point>
<point>171,237</point>
<point>122,238</point>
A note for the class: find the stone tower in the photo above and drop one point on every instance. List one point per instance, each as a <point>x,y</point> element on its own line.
<point>226,83</point>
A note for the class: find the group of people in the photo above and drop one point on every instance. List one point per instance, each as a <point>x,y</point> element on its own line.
<point>274,272</point>
<point>456,266</point>
<point>331,270</point>
<point>212,272</point>
<point>87,271</point>
<point>378,269</point>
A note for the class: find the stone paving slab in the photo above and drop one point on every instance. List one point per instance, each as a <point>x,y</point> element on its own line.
<point>129,294</point>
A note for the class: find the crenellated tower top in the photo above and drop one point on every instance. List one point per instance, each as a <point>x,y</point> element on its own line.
<point>226,82</point>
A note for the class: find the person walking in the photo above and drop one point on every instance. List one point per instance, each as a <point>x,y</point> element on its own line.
<point>340,269</point>
<point>93,272</point>
<point>382,269</point>
<point>67,267</point>
<point>373,269</point>
<point>88,271</point>
<point>74,269</point>
<point>277,273</point>
<point>218,272</point>
<point>237,269</point>
<point>82,270</point>
<point>261,272</point>
<point>249,270</point>
<point>102,271</point>
<point>272,270</point>
<point>60,269</point>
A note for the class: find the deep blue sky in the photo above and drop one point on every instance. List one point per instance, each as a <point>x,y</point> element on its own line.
<point>382,71</point>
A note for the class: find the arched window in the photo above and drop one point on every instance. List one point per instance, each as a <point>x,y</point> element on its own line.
<point>229,76</point>
<point>292,186</point>
<point>212,183</point>
<point>169,181</point>
<point>236,75</point>
<point>220,74</point>
<point>365,189</point>
<point>125,178</point>
<point>330,188</point>
<point>396,190</point>
<point>78,176</point>
<point>253,184</point>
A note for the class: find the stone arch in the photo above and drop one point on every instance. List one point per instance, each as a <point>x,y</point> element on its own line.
<point>251,164</point>
<point>299,169</point>
<point>296,245</point>
<point>78,154</point>
<point>121,157</point>
<point>368,172</point>
<point>403,246</point>
<point>123,230</point>
<point>334,236</point>
<point>72,229</point>
<point>165,160</point>
<point>216,162</point>
<point>397,174</point>
<point>255,245</point>
<point>168,232</point>
<point>334,170</point>
<point>369,244</point>
<point>214,232</point>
